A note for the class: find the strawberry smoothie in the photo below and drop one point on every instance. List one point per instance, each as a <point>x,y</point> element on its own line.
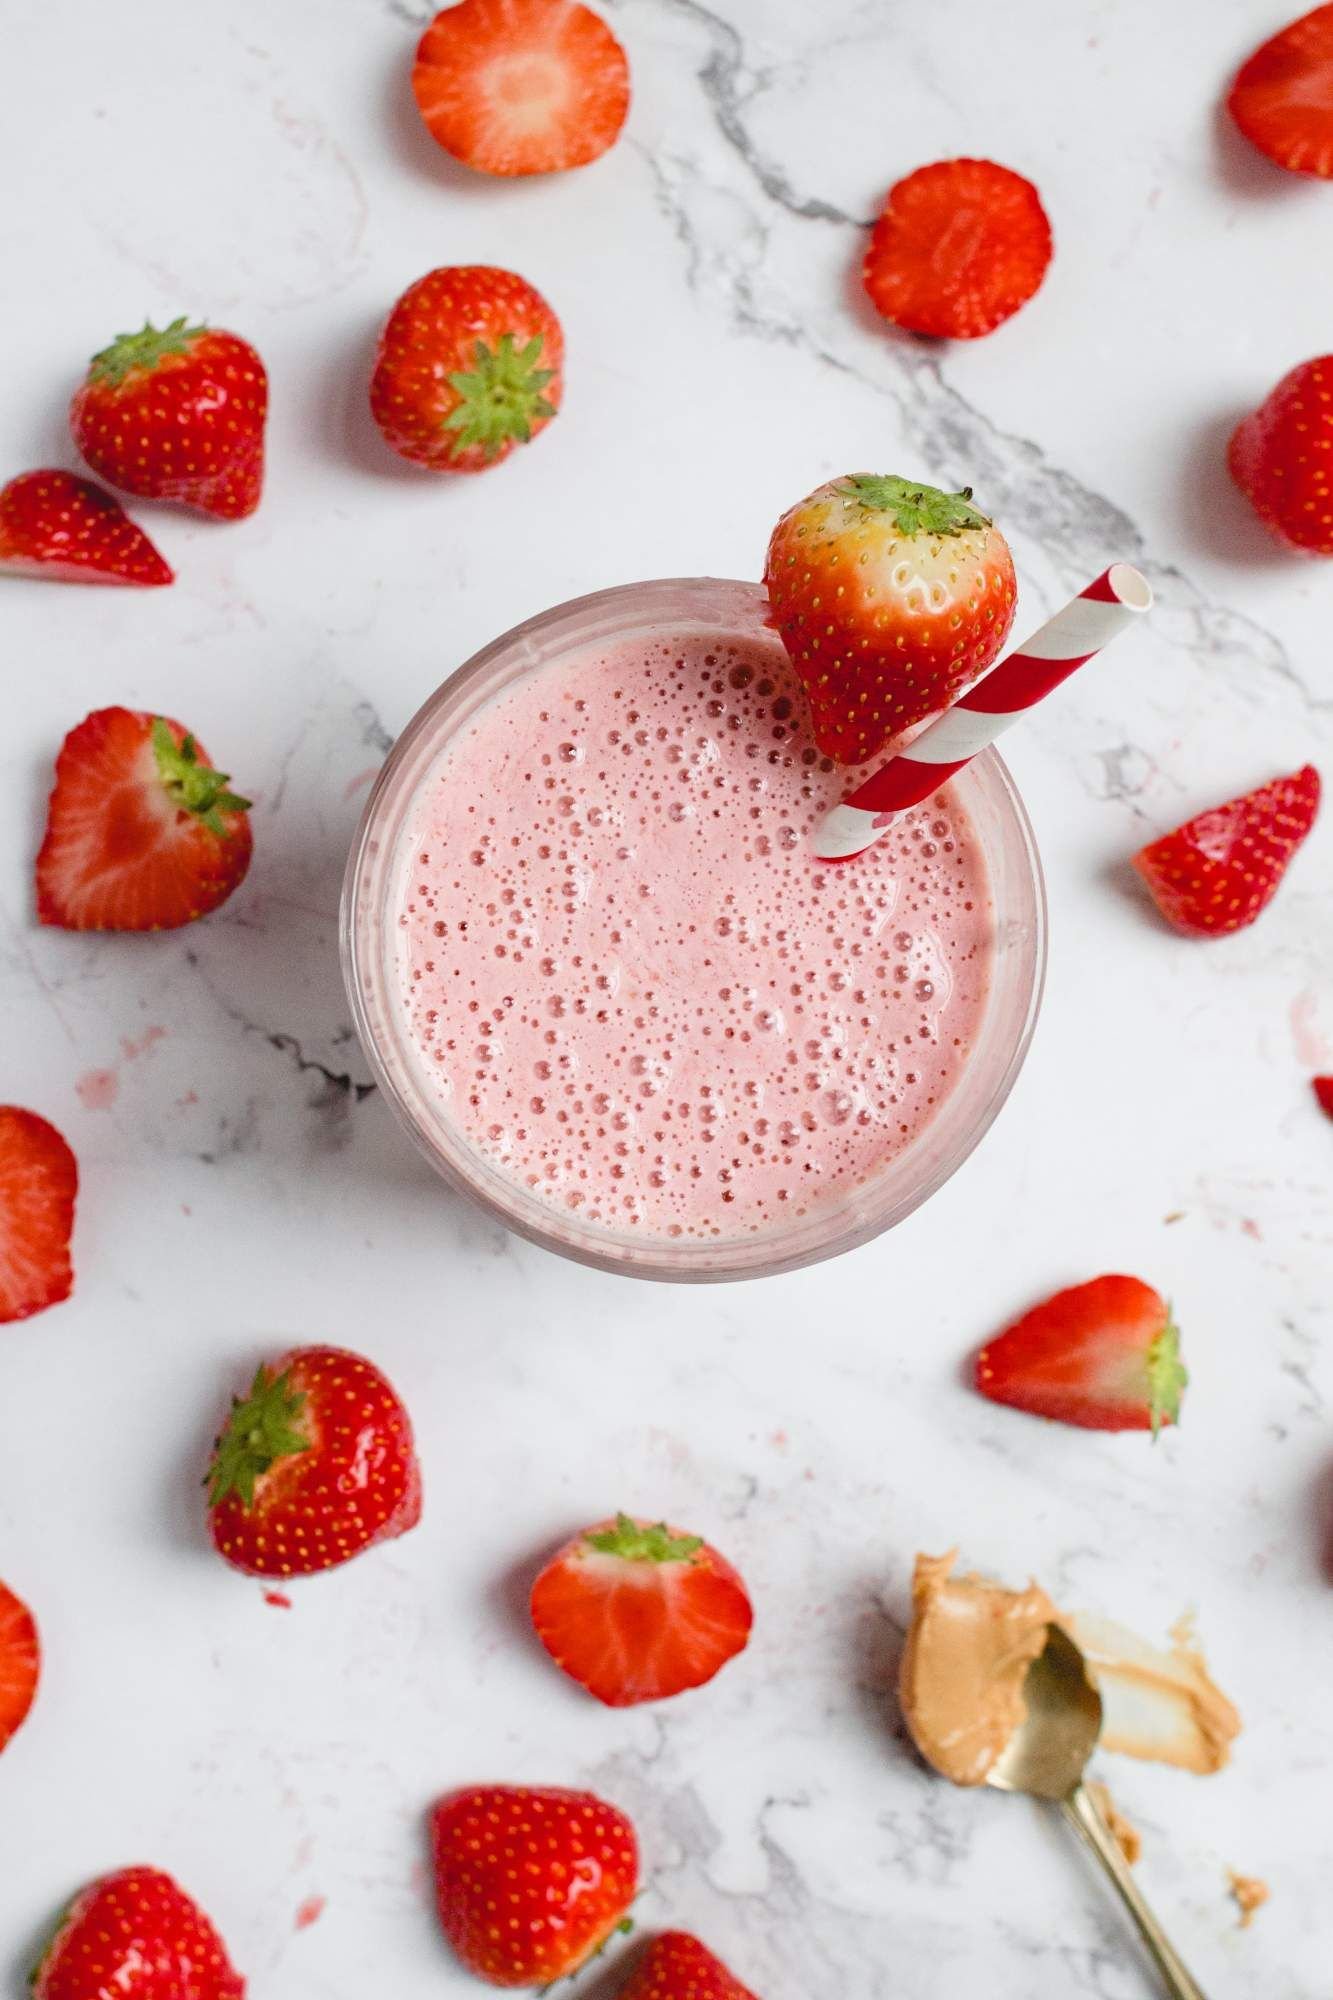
<point>628,983</point>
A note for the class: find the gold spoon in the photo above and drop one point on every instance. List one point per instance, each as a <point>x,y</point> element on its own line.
<point>1046,1757</point>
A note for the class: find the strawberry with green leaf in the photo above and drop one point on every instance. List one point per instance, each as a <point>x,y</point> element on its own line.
<point>469,365</point>
<point>142,833</point>
<point>313,1466</point>
<point>1104,1355</point>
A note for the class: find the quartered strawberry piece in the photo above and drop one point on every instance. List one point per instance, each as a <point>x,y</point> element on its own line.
<point>1104,1356</point>
<point>531,1882</point>
<point>177,413</point>
<point>142,834</point>
<point>58,526</point>
<point>1282,98</point>
<point>468,366</point>
<point>1281,457</point>
<point>136,1935</point>
<point>1220,870</point>
<point>635,1611</point>
<point>678,1967</point>
<point>316,1464</point>
<point>521,86</point>
<point>961,245</point>
<point>20,1663</point>
<point>39,1179</point>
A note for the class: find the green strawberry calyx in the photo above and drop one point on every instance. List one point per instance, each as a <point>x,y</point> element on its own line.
<point>500,397</point>
<point>635,1544</point>
<point>261,1429</point>
<point>916,509</point>
<point>192,785</point>
<point>129,353</point>
<point>1167,1377</point>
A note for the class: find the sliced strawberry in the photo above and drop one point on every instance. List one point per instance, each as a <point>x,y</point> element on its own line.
<point>1218,871</point>
<point>1104,1355</point>
<point>142,834</point>
<point>1282,98</point>
<point>20,1663</point>
<point>39,1179</point>
<point>521,86</point>
<point>678,1967</point>
<point>1323,1090</point>
<point>1281,457</point>
<point>531,1881</point>
<point>961,245</point>
<point>635,1611</point>
<point>56,525</point>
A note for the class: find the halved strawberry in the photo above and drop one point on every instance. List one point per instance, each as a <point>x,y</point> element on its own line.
<point>142,834</point>
<point>1218,871</point>
<point>678,1967</point>
<point>20,1663</point>
<point>39,1179</point>
<point>1323,1090</point>
<point>961,245</point>
<point>58,526</point>
<point>1282,98</point>
<point>635,1611</point>
<point>521,86</point>
<point>531,1881</point>
<point>1104,1355</point>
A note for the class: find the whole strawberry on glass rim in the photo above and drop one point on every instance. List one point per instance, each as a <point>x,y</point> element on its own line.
<point>635,1611</point>
<point>314,1465</point>
<point>1281,457</point>
<point>138,1936</point>
<point>891,597</point>
<point>1104,1356</point>
<point>469,365</point>
<point>1219,871</point>
<point>142,834</point>
<point>531,1881</point>
<point>177,414</point>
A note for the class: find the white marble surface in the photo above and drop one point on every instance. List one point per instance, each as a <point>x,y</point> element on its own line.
<point>261,165</point>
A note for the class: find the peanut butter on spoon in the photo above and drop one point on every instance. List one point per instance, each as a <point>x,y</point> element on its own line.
<point>972,1641</point>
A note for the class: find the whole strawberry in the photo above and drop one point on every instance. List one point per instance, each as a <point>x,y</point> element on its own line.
<point>58,526</point>
<point>1281,458</point>
<point>314,1465</point>
<point>891,598</point>
<point>678,1967</point>
<point>1220,870</point>
<point>136,1935</point>
<point>635,1611</point>
<point>531,1882</point>
<point>142,834</point>
<point>177,415</point>
<point>39,1179</point>
<point>469,365</point>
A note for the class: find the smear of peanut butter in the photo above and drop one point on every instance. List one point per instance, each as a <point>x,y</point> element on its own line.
<point>1126,1835</point>
<point>968,1651</point>
<point>1249,1894</point>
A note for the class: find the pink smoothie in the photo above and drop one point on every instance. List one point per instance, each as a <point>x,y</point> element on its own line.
<point>632,986</point>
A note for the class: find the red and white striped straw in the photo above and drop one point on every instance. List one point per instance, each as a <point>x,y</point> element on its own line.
<point>1089,622</point>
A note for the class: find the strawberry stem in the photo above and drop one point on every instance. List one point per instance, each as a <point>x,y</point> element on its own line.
<point>1167,1378</point>
<point>635,1544</point>
<point>260,1430</point>
<point>193,786</point>
<point>500,397</point>
<point>917,510</point>
<point>130,352</point>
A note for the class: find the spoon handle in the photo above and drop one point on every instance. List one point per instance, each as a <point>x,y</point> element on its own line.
<point>1082,1811</point>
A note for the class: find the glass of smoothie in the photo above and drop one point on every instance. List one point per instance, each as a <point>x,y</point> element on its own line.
<point>614,997</point>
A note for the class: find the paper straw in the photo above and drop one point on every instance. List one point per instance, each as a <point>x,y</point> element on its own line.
<point>1090,621</point>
